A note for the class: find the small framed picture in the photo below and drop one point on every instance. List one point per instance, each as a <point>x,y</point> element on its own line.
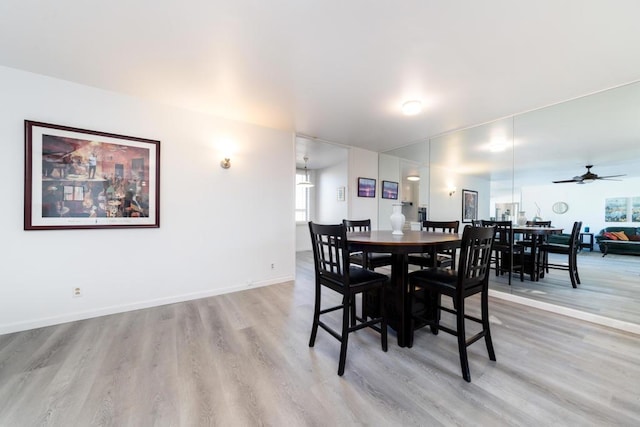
<point>366,187</point>
<point>389,190</point>
<point>469,205</point>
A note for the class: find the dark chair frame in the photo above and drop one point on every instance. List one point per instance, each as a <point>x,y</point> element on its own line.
<point>472,277</point>
<point>571,250</point>
<point>507,255</point>
<point>368,260</point>
<point>446,258</point>
<point>333,270</point>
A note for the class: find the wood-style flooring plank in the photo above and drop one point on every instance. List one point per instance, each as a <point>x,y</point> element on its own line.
<point>243,359</point>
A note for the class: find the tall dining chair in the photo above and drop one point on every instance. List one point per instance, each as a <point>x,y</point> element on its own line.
<point>507,256</point>
<point>333,271</point>
<point>570,249</point>
<point>472,277</point>
<point>444,258</point>
<point>370,260</point>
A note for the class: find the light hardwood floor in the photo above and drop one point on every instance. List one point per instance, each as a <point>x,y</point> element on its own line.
<point>610,286</point>
<point>243,359</point>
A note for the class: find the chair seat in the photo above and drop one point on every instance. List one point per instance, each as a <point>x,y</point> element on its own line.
<point>375,260</point>
<point>555,248</point>
<point>362,276</point>
<point>424,260</point>
<point>442,280</point>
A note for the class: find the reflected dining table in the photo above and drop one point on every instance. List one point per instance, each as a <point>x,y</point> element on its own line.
<point>537,236</point>
<point>400,246</point>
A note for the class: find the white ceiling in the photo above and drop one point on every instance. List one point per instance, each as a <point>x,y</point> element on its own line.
<point>335,70</point>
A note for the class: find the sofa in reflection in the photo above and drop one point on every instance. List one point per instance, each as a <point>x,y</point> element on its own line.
<point>619,240</point>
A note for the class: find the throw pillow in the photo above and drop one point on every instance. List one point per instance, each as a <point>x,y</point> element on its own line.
<point>620,235</point>
<point>635,237</point>
<point>609,235</point>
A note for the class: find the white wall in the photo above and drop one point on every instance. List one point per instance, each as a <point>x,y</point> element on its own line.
<point>211,240</point>
<point>389,170</point>
<point>363,163</point>
<point>443,207</point>
<point>329,209</point>
<point>586,202</point>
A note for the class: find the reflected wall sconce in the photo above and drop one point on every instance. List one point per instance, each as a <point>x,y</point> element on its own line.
<point>226,163</point>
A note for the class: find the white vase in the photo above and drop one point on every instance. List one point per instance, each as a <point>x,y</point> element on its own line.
<point>522,219</point>
<point>397,220</point>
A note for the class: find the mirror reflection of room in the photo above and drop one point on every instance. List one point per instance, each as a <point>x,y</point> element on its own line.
<point>513,163</point>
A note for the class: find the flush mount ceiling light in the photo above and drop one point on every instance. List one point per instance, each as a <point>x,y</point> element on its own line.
<point>306,183</point>
<point>411,108</point>
<point>413,178</point>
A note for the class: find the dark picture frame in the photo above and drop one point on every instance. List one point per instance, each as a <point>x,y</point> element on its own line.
<point>469,205</point>
<point>389,190</point>
<point>82,179</point>
<point>366,187</point>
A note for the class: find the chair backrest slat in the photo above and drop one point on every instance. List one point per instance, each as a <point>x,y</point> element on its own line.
<point>475,256</point>
<point>330,251</point>
<point>357,225</point>
<point>442,226</point>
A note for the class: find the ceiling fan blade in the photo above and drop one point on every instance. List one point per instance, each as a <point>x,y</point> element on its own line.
<point>611,176</point>
<point>566,180</point>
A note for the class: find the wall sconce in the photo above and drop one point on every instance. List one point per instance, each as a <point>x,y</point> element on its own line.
<point>452,191</point>
<point>226,163</point>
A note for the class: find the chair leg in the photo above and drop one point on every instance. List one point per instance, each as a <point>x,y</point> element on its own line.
<point>352,311</point>
<point>383,323</point>
<point>462,341</point>
<point>346,304</point>
<point>484,301</point>
<point>572,270</point>
<point>316,318</point>
<point>435,302</point>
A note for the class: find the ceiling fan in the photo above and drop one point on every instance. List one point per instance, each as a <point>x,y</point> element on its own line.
<point>588,177</point>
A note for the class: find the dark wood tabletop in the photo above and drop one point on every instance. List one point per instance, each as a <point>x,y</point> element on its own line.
<point>409,242</point>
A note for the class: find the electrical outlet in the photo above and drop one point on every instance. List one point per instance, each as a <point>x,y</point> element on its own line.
<point>77,292</point>
<point>273,266</point>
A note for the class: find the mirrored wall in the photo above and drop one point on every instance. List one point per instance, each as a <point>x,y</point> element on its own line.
<point>511,164</point>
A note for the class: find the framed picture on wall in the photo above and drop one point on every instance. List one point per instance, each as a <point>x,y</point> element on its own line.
<point>469,205</point>
<point>615,209</point>
<point>389,190</point>
<point>78,179</point>
<point>366,187</point>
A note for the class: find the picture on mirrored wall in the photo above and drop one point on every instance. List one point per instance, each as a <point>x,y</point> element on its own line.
<point>635,209</point>
<point>389,190</point>
<point>469,205</point>
<point>615,209</point>
<point>366,187</point>
<point>77,178</point>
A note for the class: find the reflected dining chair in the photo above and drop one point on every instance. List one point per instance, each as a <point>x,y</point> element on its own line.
<point>570,249</point>
<point>333,271</point>
<point>472,277</point>
<point>445,258</point>
<point>507,256</point>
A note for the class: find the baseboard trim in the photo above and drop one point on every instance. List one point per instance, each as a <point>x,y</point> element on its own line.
<point>570,312</point>
<point>106,311</point>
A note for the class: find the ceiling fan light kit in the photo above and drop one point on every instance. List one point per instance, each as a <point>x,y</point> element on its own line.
<point>588,177</point>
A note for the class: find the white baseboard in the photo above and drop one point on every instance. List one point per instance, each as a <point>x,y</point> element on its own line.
<point>105,311</point>
<point>570,312</point>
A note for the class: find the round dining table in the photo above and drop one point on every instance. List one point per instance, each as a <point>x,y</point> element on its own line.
<point>536,236</point>
<point>400,246</point>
